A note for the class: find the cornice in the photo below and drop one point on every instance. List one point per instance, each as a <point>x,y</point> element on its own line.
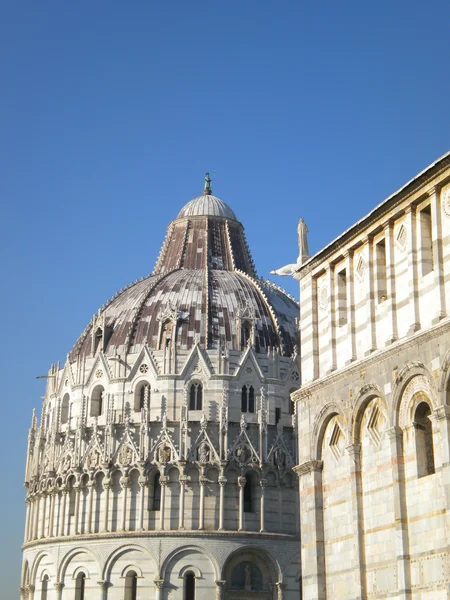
<point>130,535</point>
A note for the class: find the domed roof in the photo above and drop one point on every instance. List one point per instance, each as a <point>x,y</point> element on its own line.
<point>206,205</point>
<point>204,287</point>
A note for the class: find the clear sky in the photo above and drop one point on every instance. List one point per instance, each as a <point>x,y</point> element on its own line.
<point>111,112</point>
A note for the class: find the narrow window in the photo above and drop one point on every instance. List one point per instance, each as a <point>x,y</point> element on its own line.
<point>248,495</point>
<point>342,297</point>
<point>196,397</point>
<point>144,394</point>
<point>426,243</point>
<point>79,586</point>
<point>424,440</point>
<point>72,502</point>
<point>251,399</point>
<point>381,281</point>
<point>131,586</point>
<point>291,407</point>
<point>277,415</point>
<point>156,493</point>
<point>65,409</point>
<point>44,588</point>
<point>245,334</point>
<point>97,401</point>
<point>98,340</point>
<point>244,399</point>
<point>189,586</point>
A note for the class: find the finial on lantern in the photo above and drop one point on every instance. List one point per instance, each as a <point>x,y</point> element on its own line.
<point>207,187</point>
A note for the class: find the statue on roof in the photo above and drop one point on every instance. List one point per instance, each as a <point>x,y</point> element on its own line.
<point>207,186</point>
<point>303,252</point>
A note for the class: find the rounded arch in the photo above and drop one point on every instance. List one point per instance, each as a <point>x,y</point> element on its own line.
<point>37,561</point>
<point>410,371</point>
<point>70,555</point>
<point>189,569</point>
<point>329,411</point>
<point>122,551</point>
<point>416,380</point>
<point>365,395</point>
<point>81,571</point>
<point>264,558</point>
<point>133,569</point>
<point>191,547</point>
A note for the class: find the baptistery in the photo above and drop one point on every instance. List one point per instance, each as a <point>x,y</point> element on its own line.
<point>161,465</point>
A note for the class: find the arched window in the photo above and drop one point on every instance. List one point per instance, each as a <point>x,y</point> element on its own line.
<point>65,409</point>
<point>98,339</point>
<point>44,587</point>
<point>131,585</point>
<point>248,399</point>
<point>424,440</point>
<point>248,494</point>
<point>97,401</point>
<point>79,586</point>
<point>142,392</point>
<point>189,586</point>
<point>196,396</point>
<point>156,493</point>
<point>246,332</point>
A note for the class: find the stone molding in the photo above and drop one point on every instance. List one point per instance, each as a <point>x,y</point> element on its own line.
<point>308,466</point>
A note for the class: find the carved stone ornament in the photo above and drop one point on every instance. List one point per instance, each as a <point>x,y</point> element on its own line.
<point>164,454</point>
<point>204,453</point>
<point>446,201</point>
<point>125,455</point>
<point>143,368</point>
<point>279,458</point>
<point>93,459</point>
<point>308,466</point>
<point>323,297</point>
<point>242,454</point>
<point>99,373</point>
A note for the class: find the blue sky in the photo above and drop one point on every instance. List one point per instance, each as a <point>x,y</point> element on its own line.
<point>111,112</point>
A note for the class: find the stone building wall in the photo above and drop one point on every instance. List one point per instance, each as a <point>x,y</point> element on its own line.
<point>373,407</point>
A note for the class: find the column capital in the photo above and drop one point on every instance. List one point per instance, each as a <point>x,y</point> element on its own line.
<point>434,189</point>
<point>388,225</point>
<point>394,432</point>
<point>308,466</point>
<point>58,586</point>
<point>159,583</point>
<point>354,450</point>
<point>125,482</point>
<point>202,480</point>
<point>242,481</point>
<point>220,583</point>
<point>348,253</point>
<point>441,412</point>
<point>263,483</point>
<point>222,481</point>
<point>104,584</point>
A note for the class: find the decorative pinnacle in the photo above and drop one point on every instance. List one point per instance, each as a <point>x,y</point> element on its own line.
<point>207,187</point>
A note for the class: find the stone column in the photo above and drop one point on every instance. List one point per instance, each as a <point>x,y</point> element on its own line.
<point>162,483</point>
<point>280,590</point>
<point>159,584</point>
<point>372,330</point>
<point>262,485</point>
<point>331,316</point>
<point>59,590</point>
<point>62,510</point>
<point>125,482</point>
<point>106,483</point>
<point>22,592</point>
<point>220,589</point>
<point>201,520</point>
<point>182,492</point>
<point>142,490</point>
<point>54,496</point>
<point>91,488</point>
<point>311,529</point>
<point>36,517</point>
<point>104,585</point>
<point>314,329</point>
<point>30,591</point>
<point>390,281</point>
<point>358,579</point>
<point>27,519</point>
<point>31,520</point>
<point>412,268</point>
<point>77,508</point>
<point>438,253</point>
<point>400,513</point>
<point>351,328</point>
<point>241,483</point>
<point>222,483</point>
<point>280,506</point>
<point>67,513</point>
